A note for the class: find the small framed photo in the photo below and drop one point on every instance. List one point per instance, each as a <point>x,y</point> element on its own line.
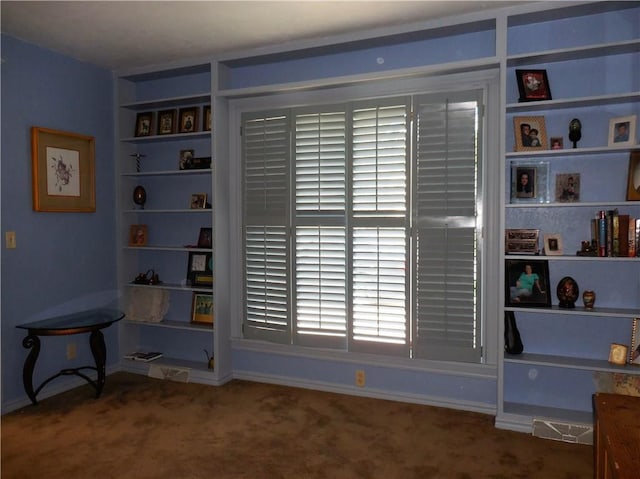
<point>198,201</point>
<point>521,241</point>
<point>206,118</point>
<point>533,85</point>
<point>634,350</point>
<point>567,187</point>
<point>200,269</point>
<point>622,131</point>
<point>204,239</point>
<point>188,119</point>
<point>202,308</point>
<point>138,235</point>
<point>530,133</point>
<point>552,244</point>
<point>527,283</point>
<point>529,182</point>
<point>186,157</point>
<point>166,122</point>
<point>618,354</point>
<point>557,143</point>
<point>633,183</point>
<point>143,124</point>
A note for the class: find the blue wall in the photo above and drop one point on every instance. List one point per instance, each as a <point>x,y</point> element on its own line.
<point>63,261</point>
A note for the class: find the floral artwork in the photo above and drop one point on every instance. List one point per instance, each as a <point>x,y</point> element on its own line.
<point>63,172</point>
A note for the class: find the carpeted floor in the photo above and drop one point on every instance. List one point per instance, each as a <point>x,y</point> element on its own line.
<point>148,428</point>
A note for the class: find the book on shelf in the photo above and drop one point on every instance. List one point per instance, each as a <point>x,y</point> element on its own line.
<point>143,356</point>
<point>615,234</point>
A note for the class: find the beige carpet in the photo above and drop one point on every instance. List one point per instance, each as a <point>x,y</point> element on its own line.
<point>148,428</point>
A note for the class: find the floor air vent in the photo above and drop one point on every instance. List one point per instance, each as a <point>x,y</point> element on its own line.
<point>158,371</point>
<point>566,432</point>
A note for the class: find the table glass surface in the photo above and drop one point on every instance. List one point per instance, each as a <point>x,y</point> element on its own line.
<point>82,319</point>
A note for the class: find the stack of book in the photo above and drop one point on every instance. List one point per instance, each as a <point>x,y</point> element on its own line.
<point>615,234</point>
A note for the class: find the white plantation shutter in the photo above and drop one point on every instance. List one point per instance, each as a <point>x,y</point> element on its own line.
<point>265,144</point>
<point>447,324</point>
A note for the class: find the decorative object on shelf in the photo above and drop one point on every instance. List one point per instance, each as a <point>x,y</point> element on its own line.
<point>202,309</point>
<point>206,118</point>
<point>63,171</point>
<point>527,283</point>
<point>138,235</point>
<point>622,131</point>
<point>530,133</point>
<point>143,124</point>
<point>200,269</point>
<point>204,239</point>
<point>147,304</point>
<point>589,298</point>
<point>567,187</point>
<point>530,182</point>
<point>552,244</point>
<point>512,340</point>
<point>557,143</point>
<point>521,241</point>
<point>200,162</point>
<point>138,156</point>
<point>139,196</point>
<point>567,292</point>
<point>150,278</point>
<point>166,122</point>
<point>587,248</point>
<point>575,131</point>
<point>618,354</point>
<point>188,119</point>
<point>185,159</point>
<point>634,351</point>
<point>198,201</point>
<point>533,85</point>
<point>210,360</point>
<point>633,182</point>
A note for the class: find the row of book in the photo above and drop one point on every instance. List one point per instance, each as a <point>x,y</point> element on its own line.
<point>615,234</point>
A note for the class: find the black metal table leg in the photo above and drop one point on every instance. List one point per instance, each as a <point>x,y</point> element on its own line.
<point>99,351</point>
<point>30,342</point>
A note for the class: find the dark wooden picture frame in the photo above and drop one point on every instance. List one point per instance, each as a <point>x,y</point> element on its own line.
<point>188,120</point>
<point>202,308</point>
<point>206,118</point>
<point>166,122</point>
<point>633,181</point>
<point>138,235</point>
<point>63,171</point>
<point>200,269</point>
<point>205,238</point>
<point>530,133</point>
<point>522,289</point>
<point>533,85</point>
<point>144,124</point>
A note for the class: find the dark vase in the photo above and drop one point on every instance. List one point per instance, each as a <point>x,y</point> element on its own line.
<point>139,196</point>
<point>512,340</point>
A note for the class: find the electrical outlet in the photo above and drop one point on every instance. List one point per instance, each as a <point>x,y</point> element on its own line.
<point>10,239</point>
<point>71,351</point>
<point>360,378</point>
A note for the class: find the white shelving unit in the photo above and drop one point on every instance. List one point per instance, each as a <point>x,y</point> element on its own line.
<point>593,77</point>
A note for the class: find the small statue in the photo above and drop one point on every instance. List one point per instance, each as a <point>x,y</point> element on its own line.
<point>575,131</point>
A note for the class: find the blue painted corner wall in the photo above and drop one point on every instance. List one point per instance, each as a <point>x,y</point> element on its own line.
<point>63,261</point>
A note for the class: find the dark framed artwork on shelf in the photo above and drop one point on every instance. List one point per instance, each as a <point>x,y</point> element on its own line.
<point>567,187</point>
<point>633,182</point>
<point>530,182</point>
<point>202,308</point>
<point>622,131</point>
<point>533,85</point>
<point>200,269</point>
<point>143,124</point>
<point>166,122</point>
<point>204,238</point>
<point>206,118</point>
<point>527,283</point>
<point>188,119</point>
<point>138,235</point>
<point>530,133</point>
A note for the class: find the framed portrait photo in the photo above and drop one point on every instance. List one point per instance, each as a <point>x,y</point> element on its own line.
<point>633,182</point>
<point>188,119</point>
<point>186,157</point>
<point>166,122</point>
<point>557,142</point>
<point>63,171</point>
<point>622,131</point>
<point>567,187</point>
<point>198,201</point>
<point>552,244</point>
<point>530,133</point>
<point>533,85</point>
<point>202,308</point>
<point>138,235</point>
<point>527,283</point>
<point>144,124</point>
<point>529,182</point>
<point>204,238</point>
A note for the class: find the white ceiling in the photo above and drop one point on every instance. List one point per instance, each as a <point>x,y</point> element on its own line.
<point>122,34</point>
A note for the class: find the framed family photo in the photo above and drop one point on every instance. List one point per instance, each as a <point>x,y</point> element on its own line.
<point>529,182</point>
<point>530,133</point>
<point>527,283</point>
<point>567,187</point>
<point>552,244</point>
<point>63,171</point>
<point>533,85</point>
<point>622,131</point>
<point>198,201</point>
